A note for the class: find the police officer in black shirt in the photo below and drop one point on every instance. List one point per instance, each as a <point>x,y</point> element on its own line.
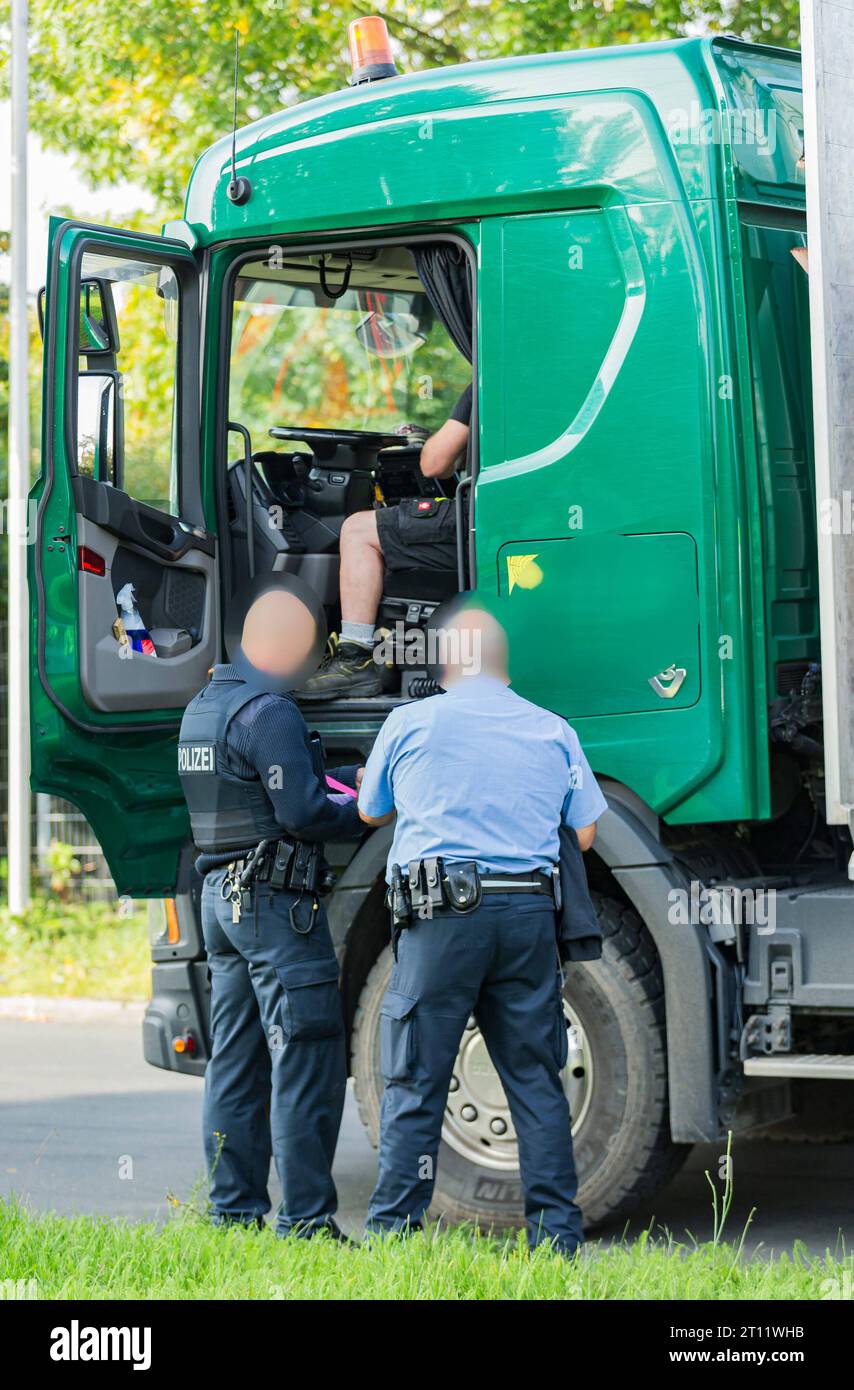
<point>418,533</point>
<point>260,811</point>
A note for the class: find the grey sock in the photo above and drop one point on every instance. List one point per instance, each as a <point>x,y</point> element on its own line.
<point>360,633</point>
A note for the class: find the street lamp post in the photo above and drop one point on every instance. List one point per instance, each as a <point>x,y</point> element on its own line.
<point>17,710</point>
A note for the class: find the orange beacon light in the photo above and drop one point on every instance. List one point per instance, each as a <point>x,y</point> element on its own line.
<point>370,50</point>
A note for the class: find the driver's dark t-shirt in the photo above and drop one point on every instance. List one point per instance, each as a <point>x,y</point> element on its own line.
<point>421,532</point>
<point>462,409</point>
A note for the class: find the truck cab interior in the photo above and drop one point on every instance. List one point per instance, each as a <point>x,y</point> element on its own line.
<point>339,367</point>
<point>335,367</point>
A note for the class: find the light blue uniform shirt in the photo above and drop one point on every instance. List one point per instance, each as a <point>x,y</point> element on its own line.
<point>479,773</point>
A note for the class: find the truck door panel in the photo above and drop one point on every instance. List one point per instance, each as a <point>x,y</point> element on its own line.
<point>119,501</point>
<point>178,600</point>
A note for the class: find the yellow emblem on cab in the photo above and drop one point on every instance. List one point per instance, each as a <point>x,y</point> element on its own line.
<point>524,571</point>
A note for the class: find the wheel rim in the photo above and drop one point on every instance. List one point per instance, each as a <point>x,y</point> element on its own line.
<point>477,1121</point>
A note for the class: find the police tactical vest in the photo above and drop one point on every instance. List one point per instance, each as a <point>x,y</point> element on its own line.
<point>226,811</point>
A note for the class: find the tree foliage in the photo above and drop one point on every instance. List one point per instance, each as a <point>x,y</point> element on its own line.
<point>136,91</point>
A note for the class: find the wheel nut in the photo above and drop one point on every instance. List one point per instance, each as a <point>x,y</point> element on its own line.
<point>455,1084</point>
<point>498,1126</point>
<point>468,1112</point>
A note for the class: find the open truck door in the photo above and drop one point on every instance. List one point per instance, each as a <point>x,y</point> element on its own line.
<point>118,502</point>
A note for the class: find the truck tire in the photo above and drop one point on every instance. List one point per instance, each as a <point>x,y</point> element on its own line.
<point>616,1080</point>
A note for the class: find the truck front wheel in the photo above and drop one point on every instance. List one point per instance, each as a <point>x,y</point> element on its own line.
<point>615,1079</point>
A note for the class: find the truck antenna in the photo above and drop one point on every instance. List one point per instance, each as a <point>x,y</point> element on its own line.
<point>239,189</point>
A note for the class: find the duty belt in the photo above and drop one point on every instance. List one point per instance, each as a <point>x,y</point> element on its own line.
<point>431,885</point>
<point>296,866</point>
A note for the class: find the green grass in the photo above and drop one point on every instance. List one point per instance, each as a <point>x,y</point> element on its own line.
<point>85,1257</point>
<point>75,951</point>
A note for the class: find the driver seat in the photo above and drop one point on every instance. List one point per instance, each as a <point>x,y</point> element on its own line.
<point>410,596</point>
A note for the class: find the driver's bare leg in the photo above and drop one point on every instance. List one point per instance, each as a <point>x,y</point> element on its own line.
<point>352,670</point>
<point>362,568</point>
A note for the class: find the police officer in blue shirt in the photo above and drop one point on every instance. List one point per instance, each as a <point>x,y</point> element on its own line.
<point>259,809</point>
<point>481,781</point>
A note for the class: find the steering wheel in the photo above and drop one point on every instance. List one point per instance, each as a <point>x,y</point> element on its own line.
<point>324,444</point>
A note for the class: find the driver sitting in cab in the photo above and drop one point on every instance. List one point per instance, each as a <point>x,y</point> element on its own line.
<point>418,533</point>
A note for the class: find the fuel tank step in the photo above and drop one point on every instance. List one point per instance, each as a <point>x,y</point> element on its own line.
<point>819,1066</point>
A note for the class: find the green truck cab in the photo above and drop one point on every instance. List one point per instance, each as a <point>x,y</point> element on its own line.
<point>641,511</point>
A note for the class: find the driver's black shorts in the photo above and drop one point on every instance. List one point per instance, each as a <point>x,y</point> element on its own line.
<point>419,533</point>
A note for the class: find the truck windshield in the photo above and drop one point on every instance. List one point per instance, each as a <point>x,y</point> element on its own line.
<point>374,358</point>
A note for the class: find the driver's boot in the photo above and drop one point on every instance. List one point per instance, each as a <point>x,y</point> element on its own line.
<point>347,671</point>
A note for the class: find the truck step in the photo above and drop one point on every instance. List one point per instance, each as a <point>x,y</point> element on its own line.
<point>819,1066</point>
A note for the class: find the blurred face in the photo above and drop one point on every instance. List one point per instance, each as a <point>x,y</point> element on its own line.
<point>475,644</point>
<point>280,638</point>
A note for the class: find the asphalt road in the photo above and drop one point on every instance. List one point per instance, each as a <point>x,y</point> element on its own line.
<point>87,1126</point>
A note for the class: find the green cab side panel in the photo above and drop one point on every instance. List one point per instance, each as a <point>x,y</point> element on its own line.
<point>126,784</point>
<point>601,501</point>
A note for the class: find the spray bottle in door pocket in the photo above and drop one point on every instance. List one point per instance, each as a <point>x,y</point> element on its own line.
<point>137,632</point>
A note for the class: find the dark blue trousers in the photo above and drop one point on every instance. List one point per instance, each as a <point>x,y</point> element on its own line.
<point>499,963</point>
<point>277,1075</point>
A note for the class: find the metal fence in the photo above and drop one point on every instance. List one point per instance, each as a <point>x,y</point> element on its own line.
<point>54,822</point>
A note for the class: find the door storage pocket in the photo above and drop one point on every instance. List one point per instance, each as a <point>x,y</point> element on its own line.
<point>397,1036</point>
<point>311,1002</point>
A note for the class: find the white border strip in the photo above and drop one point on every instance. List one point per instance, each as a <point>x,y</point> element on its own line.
<point>820,323</point>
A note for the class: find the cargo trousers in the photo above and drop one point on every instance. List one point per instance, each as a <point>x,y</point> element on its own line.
<point>277,1074</point>
<point>500,964</point>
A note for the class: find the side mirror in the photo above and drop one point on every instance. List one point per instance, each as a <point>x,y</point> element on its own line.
<point>99,334</point>
<point>98,431</point>
<point>99,331</point>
